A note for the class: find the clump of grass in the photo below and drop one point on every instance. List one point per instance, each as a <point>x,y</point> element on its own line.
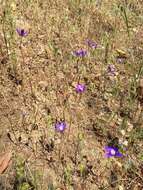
<point>22,181</point>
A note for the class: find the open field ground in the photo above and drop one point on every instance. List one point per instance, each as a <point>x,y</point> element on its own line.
<point>71,95</point>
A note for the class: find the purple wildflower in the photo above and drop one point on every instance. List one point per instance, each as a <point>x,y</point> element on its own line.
<point>80,88</point>
<point>121,60</point>
<point>111,69</point>
<point>80,53</point>
<point>22,32</point>
<point>60,126</point>
<point>92,44</point>
<point>112,152</point>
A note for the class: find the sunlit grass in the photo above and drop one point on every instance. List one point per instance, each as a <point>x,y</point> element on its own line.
<point>71,85</point>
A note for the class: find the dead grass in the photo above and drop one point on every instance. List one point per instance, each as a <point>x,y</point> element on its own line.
<point>38,75</point>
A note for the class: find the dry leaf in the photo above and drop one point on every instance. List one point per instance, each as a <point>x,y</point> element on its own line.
<point>5,161</point>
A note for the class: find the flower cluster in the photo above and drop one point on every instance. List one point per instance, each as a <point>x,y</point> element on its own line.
<point>83,53</point>
<point>60,126</point>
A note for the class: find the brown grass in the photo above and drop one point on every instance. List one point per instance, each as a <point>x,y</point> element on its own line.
<point>37,78</point>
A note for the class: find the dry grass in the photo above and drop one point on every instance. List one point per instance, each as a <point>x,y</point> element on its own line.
<point>38,74</point>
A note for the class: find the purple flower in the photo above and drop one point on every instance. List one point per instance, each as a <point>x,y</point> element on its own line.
<point>112,152</point>
<point>60,126</point>
<point>22,32</point>
<point>80,88</point>
<point>111,69</point>
<point>121,60</point>
<point>80,53</point>
<point>92,44</point>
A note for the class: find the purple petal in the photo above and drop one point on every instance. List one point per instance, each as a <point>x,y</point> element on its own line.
<point>80,53</point>
<point>60,126</point>
<point>91,44</point>
<point>22,32</point>
<point>109,154</point>
<point>118,154</point>
<point>109,148</point>
<point>111,69</point>
<point>18,30</point>
<point>120,60</point>
<point>80,88</point>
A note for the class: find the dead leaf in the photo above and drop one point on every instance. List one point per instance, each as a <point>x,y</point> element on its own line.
<point>5,161</point>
